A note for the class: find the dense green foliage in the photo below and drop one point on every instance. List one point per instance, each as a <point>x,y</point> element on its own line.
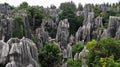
<point>97,11</point>
<point>77,48</point>
<point>49,55</point>
<point>80,7</point>
<point>19,29</point>
<point>35,15</point>
<point>68,12</point>
<point>74,63</point>
<point>106,47</point>
<point>90,45</point>
<point>68,5</point>
<point>23,5</point>
<point>109,62</point>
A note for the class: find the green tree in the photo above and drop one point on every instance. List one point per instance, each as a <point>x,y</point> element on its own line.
<point>109,62</point>
<point>77,48</point>
<point>35,15</point>
<point>53,7</point>
<point>74,63</point>
<point>23,5</point>
<point>69,10</point>
<point>104,48</point>
<point>19,27</point>
<point>49,55</point>
<point>68,5</point>
<point>80,7</point>
<point>97,11</point>
<point>90,45</point>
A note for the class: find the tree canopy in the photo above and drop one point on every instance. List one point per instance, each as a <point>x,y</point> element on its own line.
<point>49,55</point>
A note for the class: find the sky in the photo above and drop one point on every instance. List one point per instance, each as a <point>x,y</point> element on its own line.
<point>46,3</point>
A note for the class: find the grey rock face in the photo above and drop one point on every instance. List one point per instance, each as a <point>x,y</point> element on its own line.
<point>117,36</point>
<point>50,26</point>
<point>114,23</point>
<point>19,52</point>
<point>71,39</point>
<point>64,64</point>
<point>30,65</point>
<point>13,64</point>
<point>14,56</point>
<point>69,51</point>
<point>113,28</point>
<point>78,36</point>
<point>84,32</point>
<point>53,13</point>
<point>65,54</point>
<point>88,16</point>
<point>63,33</point>
<point>4,50</point>
<point>42,36</point>
<point>97,28</point>
<point>76,56</point>
<point>48,29</point>
<point>104,34</point>
<point>83,55</point>
<point>118,8</point>
<point>6,27</point>
<point>6,9</point>
<point>98,22</point>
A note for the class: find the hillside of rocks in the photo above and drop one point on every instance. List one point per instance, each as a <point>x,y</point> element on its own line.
<point>25,29</point>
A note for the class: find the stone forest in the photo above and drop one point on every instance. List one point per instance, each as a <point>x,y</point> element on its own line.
<point>64,36</point>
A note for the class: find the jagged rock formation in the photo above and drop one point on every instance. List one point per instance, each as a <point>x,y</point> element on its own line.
<point>93,29</point>
<point>53,13</point>
<point>50,26</point>
<point>6,9</point>
<point>18,53</point>
<point>47,31</point>
<point>6,27</point>
<point>84,32</point>
<point>98,28</point>
<point>83,55</point>
<point>63,33</point>
<point>113,27</point>
<point>67,53</point>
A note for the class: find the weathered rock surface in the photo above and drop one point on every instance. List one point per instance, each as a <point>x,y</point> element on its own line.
<point>113,27</point>
<point>62,35</point>
<point>18,53</point>
<point>83,56</point>
<point>6,27</point>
